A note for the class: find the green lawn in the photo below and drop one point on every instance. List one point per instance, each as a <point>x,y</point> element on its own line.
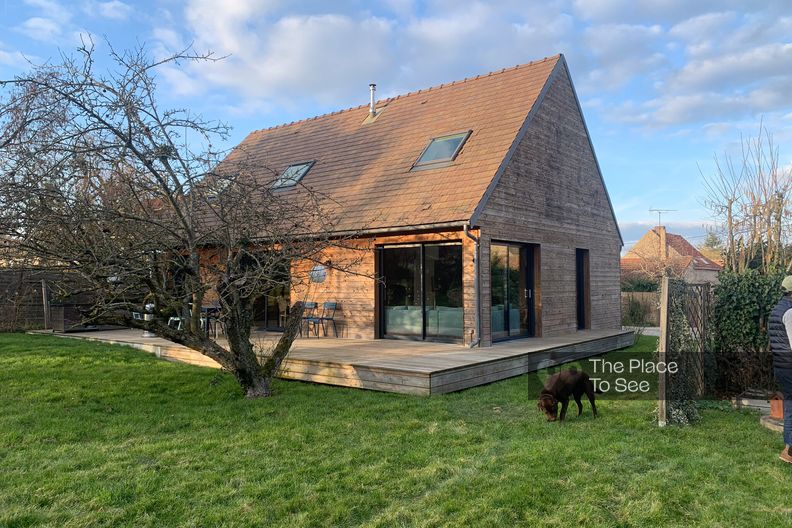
<point>95,435</point>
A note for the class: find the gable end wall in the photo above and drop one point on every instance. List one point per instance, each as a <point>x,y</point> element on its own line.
<point>551,194</point>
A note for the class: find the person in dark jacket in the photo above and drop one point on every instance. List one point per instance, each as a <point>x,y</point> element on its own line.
<point>780,330</point>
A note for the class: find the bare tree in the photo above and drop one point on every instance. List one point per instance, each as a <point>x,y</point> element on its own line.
<point>750,199</point>
<point>99,181</point>
<point>652,266</point>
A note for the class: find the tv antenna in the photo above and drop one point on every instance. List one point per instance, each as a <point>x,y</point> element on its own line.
<point>660,214</point>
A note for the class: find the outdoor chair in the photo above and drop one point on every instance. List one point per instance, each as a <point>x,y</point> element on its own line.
<point>177,323</point>
<point>328,317</point>
<point>210,319</point>
<point>309,319</point>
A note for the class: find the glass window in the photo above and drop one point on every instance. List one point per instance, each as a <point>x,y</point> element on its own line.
<point>499,262</point>
<point>512,290</point>
<point>292,175</point>
<point>442,149</point>
<point>443,277</point>
<point>422,291</point>
<point>403,292</point>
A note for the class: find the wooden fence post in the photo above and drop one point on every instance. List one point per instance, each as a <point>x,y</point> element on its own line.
<point>662,349</point>
<point>46,304</point>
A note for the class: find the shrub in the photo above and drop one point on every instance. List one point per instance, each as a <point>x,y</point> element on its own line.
<point>639,284</point>
<point>742,306</point>
<point>635,313</point>
<point>684,387</point>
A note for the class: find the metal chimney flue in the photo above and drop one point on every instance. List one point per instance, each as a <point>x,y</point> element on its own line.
<point>372,108</point>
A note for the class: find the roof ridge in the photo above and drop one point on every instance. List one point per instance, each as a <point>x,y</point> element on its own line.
<point>414,92</point>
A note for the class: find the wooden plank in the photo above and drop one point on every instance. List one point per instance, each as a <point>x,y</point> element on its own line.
<point>359,384</point>
<point>296,368</point>
<point>662,412</point>
<point>462,378</point>
<point>605,344</point>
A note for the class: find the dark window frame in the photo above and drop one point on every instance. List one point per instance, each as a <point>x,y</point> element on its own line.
<point>534,275</point>
<point>583,288</point>
<point>442,162</point>
<point>379,296</point>
<point>277,185</point>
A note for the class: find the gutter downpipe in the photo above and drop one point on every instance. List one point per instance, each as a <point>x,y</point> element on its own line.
<point>476,288</point>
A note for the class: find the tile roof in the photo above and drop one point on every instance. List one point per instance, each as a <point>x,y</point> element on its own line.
<point>631,264</point>
<point>366,167</point>
<point>686,249</point>
<point>687,254</point>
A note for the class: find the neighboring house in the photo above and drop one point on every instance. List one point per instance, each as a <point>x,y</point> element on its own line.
<point>481,202</point>
<point>659,250</point>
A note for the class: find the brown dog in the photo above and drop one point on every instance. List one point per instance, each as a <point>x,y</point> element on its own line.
<point>559,387</point>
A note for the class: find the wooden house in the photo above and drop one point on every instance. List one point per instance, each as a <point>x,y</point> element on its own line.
<point>479,204</point>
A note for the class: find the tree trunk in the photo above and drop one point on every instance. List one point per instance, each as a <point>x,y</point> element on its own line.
<point>261,387</point>
<point>293,322</point>
<point>246,367</point>
<point>255,377</point>
<point>240,359</point>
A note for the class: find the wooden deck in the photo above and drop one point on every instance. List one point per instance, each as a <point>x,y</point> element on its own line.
<point>398,366</point>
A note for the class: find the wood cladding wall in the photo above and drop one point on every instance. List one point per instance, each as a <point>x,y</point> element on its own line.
<point>551,194</point>
<point>355,288</point>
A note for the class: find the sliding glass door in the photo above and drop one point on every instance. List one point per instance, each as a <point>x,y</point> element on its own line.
<point>270,310</point>
<point>403,297</point>
<point>421,291</point>
<point>512,295</point>
<point>443,285</point>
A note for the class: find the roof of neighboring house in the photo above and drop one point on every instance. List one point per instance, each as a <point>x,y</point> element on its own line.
<point>688,250</point>
<point>631,264</point>
<point>366,166</point>
<point>680,251</point>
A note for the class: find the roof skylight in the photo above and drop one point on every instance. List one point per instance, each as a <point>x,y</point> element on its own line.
<point>442,149</point>
<point>292,174</point>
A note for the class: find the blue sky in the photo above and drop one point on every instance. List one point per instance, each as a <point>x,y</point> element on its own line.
<point>665,84</point>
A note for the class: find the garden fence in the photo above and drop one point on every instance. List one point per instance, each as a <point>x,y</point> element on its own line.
<point>685,341</point>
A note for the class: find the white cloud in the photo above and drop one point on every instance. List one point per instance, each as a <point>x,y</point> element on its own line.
<point>737,69</point>
<point>703,26</point>
<point>310,53</point>
<point>54,22</point>
<point>167,40</point>
<point>329,57</point>
<point>40,28</point>
<point>660,11</point>
<point>699,33</point>
<point>400,8</point>
<point>12,58</point>
<point>659,63</point>
<point>236,27</point>
<point>51,9</point>
<point>51,23</point>
<point>113,9</point>
<point>623,51</point>
<point>320,57</point>
<point>181,83</point>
